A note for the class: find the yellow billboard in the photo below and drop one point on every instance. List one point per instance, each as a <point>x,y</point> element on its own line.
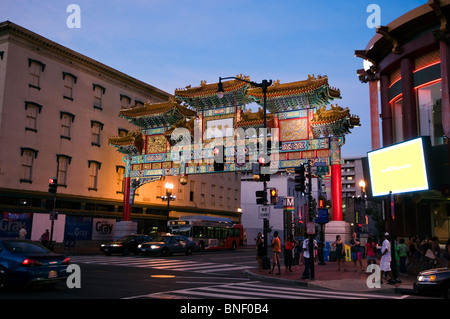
<point>400,168</point>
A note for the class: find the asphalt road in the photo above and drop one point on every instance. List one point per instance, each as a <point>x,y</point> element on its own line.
<point>205,275</point>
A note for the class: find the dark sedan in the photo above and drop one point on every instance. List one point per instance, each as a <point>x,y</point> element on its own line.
<point>433,282</point>
<point>125,245</point>
<point>168,245</point>
<point>24,262</point>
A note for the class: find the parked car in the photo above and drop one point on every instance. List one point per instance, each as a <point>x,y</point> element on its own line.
<point>433,282</point>
<point>125,245</point>
<point>168,245</point>
<point>24,262</point>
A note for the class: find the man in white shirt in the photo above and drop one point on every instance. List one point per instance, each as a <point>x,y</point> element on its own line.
<point>385,262</point>
<point>22,233</point>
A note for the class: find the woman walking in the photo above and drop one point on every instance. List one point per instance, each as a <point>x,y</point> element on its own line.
<point>340,251</point>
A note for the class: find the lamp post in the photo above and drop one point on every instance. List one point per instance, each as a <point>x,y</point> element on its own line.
<point>263,85</point>
<point>168,198</point>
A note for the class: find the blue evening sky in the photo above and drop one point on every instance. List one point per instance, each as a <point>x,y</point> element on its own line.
<point>174,43</point>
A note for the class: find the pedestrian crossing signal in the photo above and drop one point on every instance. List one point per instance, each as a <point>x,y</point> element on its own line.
<point>274,196</point>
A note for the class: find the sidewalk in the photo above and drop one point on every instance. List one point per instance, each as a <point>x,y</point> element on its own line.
<point>327,276</point>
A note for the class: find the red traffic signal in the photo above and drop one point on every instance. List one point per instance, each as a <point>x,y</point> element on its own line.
<point>52,185</point>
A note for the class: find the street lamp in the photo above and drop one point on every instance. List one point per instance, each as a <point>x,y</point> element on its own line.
<point>362,184</point>
<point>168,197</point>
<point>263,85</point>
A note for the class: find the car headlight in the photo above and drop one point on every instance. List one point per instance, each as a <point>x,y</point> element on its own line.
<point>426,278</point>
<point>155,246</point>
<point>116,245</point>
<point>139,246</point>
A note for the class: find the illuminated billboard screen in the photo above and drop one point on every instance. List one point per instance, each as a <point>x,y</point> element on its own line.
<point>399,168</point>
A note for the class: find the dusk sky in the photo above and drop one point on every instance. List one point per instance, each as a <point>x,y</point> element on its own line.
<point>171,44</point>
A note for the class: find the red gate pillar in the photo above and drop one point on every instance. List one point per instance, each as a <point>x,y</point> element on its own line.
<point>336,182</point>
<point>126,199</point>
<point>126,215</point>
<point>336,191</point>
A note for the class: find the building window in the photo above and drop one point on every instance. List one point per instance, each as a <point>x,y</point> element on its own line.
<point>120,170</point>
<point>398,120</point>
<point>36,69</point>
<point>69,81</point>
<point>124,101</point>
<point>213,194</point>
<point>96,129</point>
<point>28,155</point>
<point>202,193</point>
<point>429,99</point>
<point>191,191</point>
<point>138,103</point>
<point>63,165</point>
<point>221,196</point>
<point>94,167</point>
<point>32,110</point>
<point>99,91</point>
<point>66,123</point>
<point>123,132</point>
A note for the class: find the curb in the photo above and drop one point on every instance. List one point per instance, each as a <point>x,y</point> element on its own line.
<point>289,282</point>
<point>275,279</point>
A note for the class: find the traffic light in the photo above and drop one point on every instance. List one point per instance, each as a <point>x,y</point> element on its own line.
<point>300,179</point>
<point>274,196</point>
<point>52,185</point>
<point>219,158</point>
<point>264,168</point>
<point>358,229</point>
<point>261,197</point>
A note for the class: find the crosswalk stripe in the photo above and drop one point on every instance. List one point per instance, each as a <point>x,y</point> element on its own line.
<point>163,264</point>
<point>258,290</point>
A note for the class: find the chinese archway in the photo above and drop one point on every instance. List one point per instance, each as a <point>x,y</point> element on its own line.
<point>298,118</point>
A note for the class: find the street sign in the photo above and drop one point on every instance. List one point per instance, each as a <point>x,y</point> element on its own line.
<point>322,216</point>
<point>310,228</point>
<point>264,212</point>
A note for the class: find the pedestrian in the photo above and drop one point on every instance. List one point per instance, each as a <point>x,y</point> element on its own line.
<point>355,251</point>
<point>259,250</point>
<point>447,253</point>
<point>385,261</point>
<point>436,251</point>
<point>22,233</point>
<point>370,251</point>
<point>424,246</point>
<point>402,252</point>
<point>288,252</point>
<point>276,253</point>
<point>412,251</point>
<point>340,251</point>
<point>45,237</point>
<point>306,259</point>
<point>300,251</point>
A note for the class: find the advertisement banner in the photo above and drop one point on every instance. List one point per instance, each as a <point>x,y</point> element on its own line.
<point>11,223</point>
<point>103,229</point>
<point>78,228</point>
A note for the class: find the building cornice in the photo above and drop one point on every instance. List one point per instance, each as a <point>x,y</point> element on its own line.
<point>11,30</point>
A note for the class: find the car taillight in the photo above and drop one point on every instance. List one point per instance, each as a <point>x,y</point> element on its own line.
<point>31,262</point>
<point>66,261</point>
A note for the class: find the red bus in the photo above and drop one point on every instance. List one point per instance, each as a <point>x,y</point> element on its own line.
<point>209,232</point>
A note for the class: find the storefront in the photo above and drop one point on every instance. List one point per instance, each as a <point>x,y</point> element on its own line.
<point>407,66</point>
